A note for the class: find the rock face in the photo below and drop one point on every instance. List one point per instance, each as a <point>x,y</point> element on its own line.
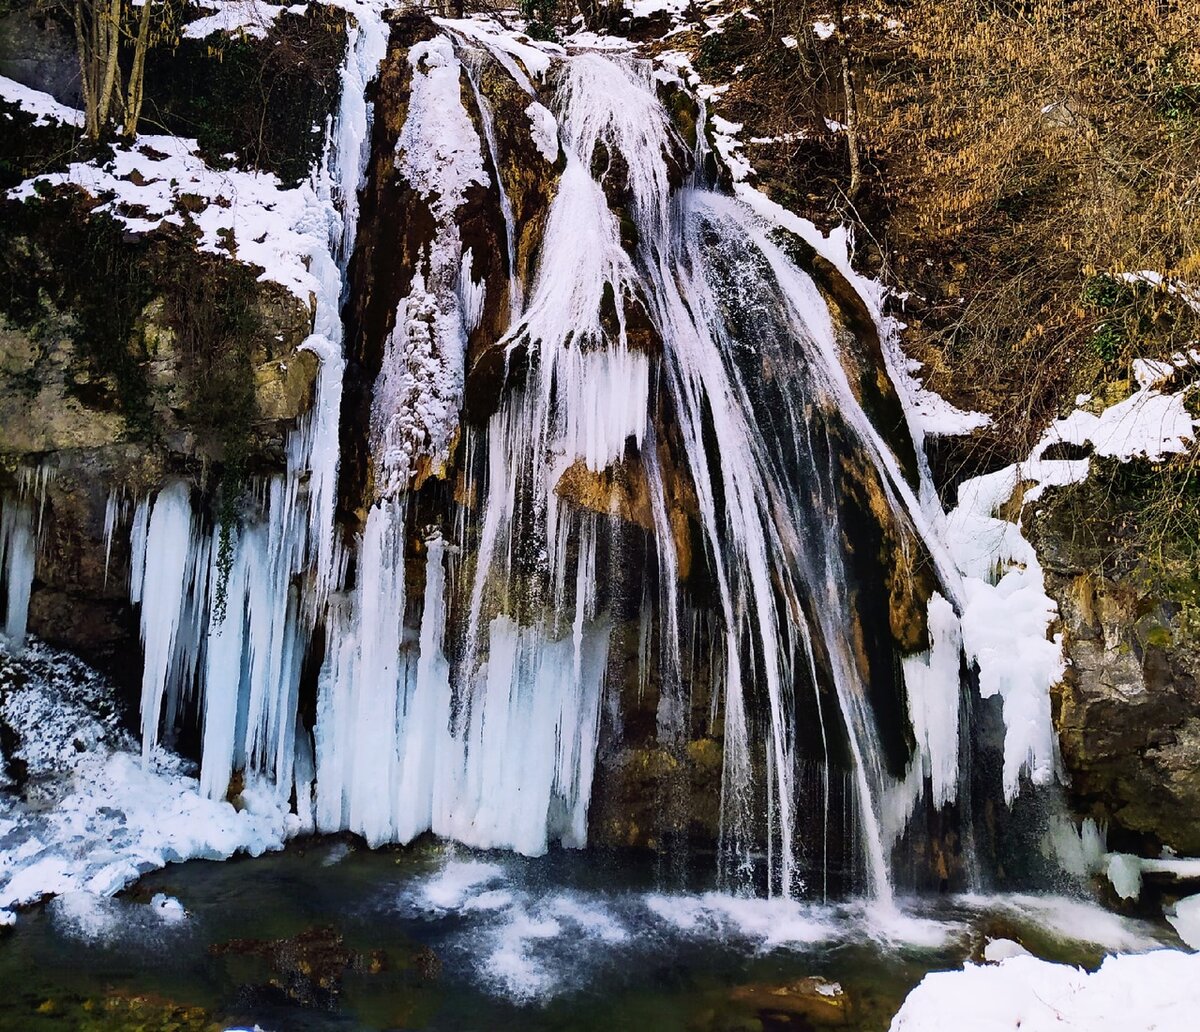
<point>1128,711</point>
<point>128,359</point>
<point>178,364</point>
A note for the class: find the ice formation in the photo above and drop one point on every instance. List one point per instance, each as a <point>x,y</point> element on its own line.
<point>101,816</point>
<point>443,646</point>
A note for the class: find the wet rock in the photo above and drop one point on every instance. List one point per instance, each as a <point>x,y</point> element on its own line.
<point>620,490</point>
<point>119,383</point>
<point>120,1011</point>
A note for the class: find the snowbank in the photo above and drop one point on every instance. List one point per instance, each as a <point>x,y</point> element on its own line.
<point>1158,990</point>
<point>91,816</point>
<point>42,106</point>
<point>236,17</point>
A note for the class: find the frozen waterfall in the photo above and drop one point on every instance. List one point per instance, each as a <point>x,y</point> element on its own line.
<point>679,442</point>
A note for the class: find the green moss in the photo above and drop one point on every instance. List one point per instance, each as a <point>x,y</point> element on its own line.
<point>1160,637</point>
<point>1138,521</point>
<point>1134,319</point>
<point>67,271</point>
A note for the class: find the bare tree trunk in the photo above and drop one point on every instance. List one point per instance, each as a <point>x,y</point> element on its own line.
<point>137,73</point>
<point>109,24</point>
<point>85,73</point>
<point>851,128</point>
<point>851,122</point>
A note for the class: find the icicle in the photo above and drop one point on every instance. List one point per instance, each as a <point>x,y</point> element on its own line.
<point>111,512</point>
<point>171,554</point>
<point>18,548</point>
<point>137,549</point>
<point>934,683</point>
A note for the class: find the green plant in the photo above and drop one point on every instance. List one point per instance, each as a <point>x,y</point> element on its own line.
<point>1108,341</point>
<point>1103,293</point>
<point>541,18</point>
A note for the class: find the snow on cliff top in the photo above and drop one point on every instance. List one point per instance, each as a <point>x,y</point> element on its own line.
<point>162,180</point>
<point>246,17</point>
<point>42,106</point>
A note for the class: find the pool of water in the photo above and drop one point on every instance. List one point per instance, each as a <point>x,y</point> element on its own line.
<point>329,936</point>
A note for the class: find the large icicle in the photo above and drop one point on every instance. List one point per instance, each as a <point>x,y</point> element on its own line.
<point>173,554</point>
<point>17,553</point>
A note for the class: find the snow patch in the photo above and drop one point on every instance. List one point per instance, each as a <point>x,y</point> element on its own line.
<point>1158,990</point>
<point>42,106</point>
<point>544,128</point>
<point>93,816</point>
<point>235,17</point>
<point>162,180</point>
<point>1185,919</point>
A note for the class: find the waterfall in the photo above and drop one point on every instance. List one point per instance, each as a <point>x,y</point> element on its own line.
<point>674,443</point>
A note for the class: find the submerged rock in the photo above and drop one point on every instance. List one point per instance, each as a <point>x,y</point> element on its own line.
<point>806,1003</point>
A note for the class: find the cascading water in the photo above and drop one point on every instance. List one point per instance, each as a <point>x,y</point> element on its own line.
<point>678,440</point>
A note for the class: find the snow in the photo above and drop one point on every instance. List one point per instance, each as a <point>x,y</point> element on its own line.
<point>42,106</point>
<point>1007,615</point>
<point>438,150</point>
<point>245,17</point>
<point>729,147</point>
<point>1158,990</point>
<point>521,56</point>
<point>823,29</point>
<point>648,8</point>
<point>1187,293</point>
<point>101,816</point>
<point>1185,919</point>
<point>1148,424</point>
<point>162,180</point>
<point>544,128</point>
<point>998,950</point>
<point>937,416</point>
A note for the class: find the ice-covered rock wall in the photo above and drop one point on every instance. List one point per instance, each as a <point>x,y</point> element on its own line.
<point>602,463</point>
